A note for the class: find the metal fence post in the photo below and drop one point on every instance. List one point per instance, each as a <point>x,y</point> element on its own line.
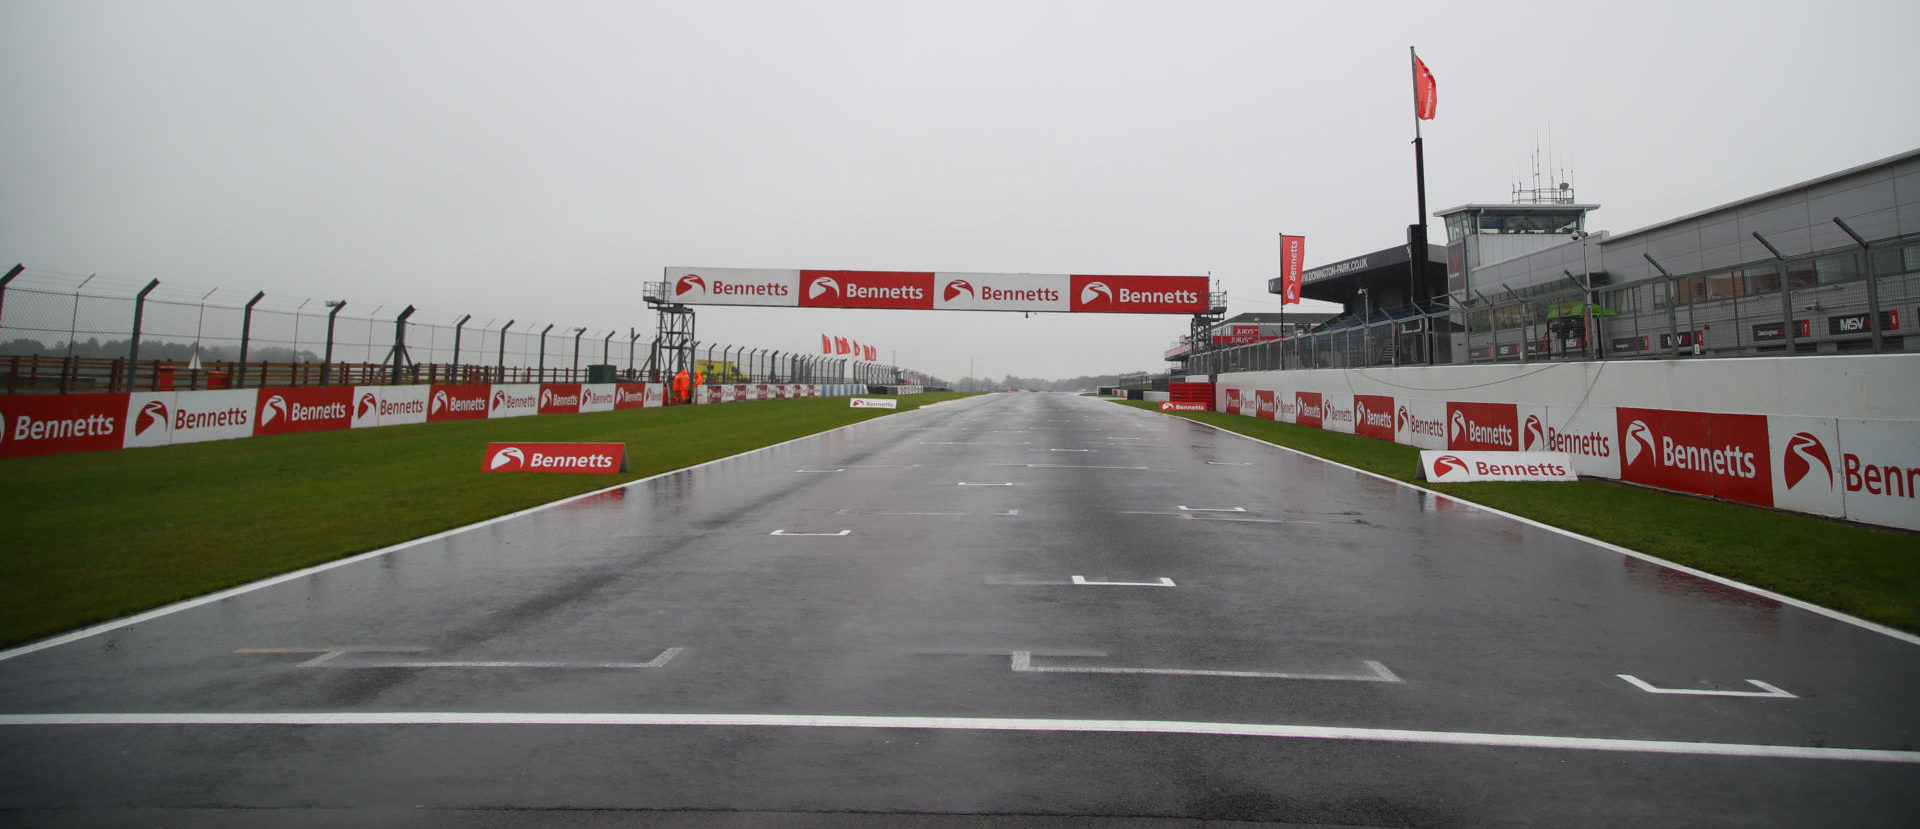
<point>246,336</point>
<point>500,371</point>
<point>1873,284</point>
<point>326,362</point>
<point>15,271</point>
<point>133,350</point>
<point>453,373</point>
<point>543,352</point>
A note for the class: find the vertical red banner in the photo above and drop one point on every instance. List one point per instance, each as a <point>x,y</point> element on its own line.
<point>1426,92</point>
<point>1293,256</point>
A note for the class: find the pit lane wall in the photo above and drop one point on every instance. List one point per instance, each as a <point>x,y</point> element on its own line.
<point>1835,436</point>
<point>52,424</point>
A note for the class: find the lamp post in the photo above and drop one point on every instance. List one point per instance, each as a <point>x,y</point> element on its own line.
<point>1586,279</point>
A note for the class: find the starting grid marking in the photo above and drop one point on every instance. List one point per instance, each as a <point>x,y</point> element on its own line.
<point>333,658</point>
<point>1058,726</point>
<point>1376,672</point>
<point>1767,691</point>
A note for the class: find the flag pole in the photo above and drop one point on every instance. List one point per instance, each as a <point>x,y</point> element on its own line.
<point>1417,235</point>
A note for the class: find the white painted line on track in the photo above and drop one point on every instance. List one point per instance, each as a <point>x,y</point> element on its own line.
<point>819,470</point>
<point>333,659</point>
<point>1766,691</point>
<point>1184,508</point>
<point>1376,672</point>
<point>786,534</point>
<point>1162,582</point>
<point>1876,627</point>
<point>1226,463</point>
<point>1069,450</point>
<point>1192,516</point>
<point>1075,466</point>
<point>1055,726</point>
<point>965,483</point>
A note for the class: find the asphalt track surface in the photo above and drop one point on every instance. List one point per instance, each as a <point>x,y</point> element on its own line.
<point>1030,610</point>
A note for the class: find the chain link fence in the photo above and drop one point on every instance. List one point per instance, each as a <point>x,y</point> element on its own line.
<point>62,332</point>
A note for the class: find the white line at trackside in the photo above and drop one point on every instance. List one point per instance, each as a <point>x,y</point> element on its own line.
<point>1651,559</point>
<point>1058,726</point>
<point>189,604</point>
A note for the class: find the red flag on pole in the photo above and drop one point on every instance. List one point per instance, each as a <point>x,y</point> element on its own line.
<point>1293,254</point>
<point>826,345</point>
<point>1426,93</point>
<point>872,354</point>
<point>840,345</point>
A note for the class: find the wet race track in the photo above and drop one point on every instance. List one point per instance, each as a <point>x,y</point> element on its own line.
<point>1039,609</point>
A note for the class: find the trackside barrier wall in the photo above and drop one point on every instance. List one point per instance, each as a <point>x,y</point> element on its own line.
<point>52,424</point>
<point>1836,436</point>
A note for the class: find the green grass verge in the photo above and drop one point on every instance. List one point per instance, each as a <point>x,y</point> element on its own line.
<point>90,537</point>
<point>1870,573</point>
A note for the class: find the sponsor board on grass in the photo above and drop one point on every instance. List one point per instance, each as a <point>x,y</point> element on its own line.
<point>596,397</point>
<point>1879,467</point>
<point>449,402</point>
<point>559,398</point>
<point>1170,406</point>
<point>51,424</point>
<point>873,403</point>
<point>1808,465</point>
<point>574,458</point>
<point>1336,413</point>
<point>1420,423</point>
<point>1587,434</point>
<point>1309,409</point>
<point>162,418</point>
<point>1718,455</point>
<point>390,405</point>
<point>1373,416</point>
<point>513,400</point>
<point>1486,427</point>
<point>1449,466</point>
<point>303,409</point>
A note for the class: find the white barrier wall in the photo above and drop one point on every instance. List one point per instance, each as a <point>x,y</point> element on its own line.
<point>58,423</point>
<point>1836,436</point>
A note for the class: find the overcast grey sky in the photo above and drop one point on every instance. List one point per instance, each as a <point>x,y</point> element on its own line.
<point>542,160</point>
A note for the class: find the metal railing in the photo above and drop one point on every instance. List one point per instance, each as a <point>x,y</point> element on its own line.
<point>72,333</point>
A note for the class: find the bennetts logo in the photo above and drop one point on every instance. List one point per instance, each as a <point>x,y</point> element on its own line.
<point>955,289</point>
<point>274,409</point>
<point>1534,434</point>
<point>1447,465</point>
<point>508,458</point>
<point>822,285</point>
<point>499,397</point>
<point>367,405</point>
<point>1095,290</point>
<point>1802,452</point>
<point>155,412</point>
<point>1639,441</point>
<point>688,283</point>
<point>439,402</point>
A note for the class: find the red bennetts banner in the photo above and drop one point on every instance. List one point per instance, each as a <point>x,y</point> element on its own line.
<point>1138,294</point>
<point>578,458</point>
<point>1293,256</point>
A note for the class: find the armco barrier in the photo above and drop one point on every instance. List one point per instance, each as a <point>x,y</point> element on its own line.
<point>52,424</point>
<point>1819,454</point>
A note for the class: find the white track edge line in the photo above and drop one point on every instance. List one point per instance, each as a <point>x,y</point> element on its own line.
<point>1213,729</point>
<point>1764,593</point>
<point>270,581</point>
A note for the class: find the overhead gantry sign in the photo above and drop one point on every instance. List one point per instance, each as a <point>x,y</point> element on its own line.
<point>933,291</point>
